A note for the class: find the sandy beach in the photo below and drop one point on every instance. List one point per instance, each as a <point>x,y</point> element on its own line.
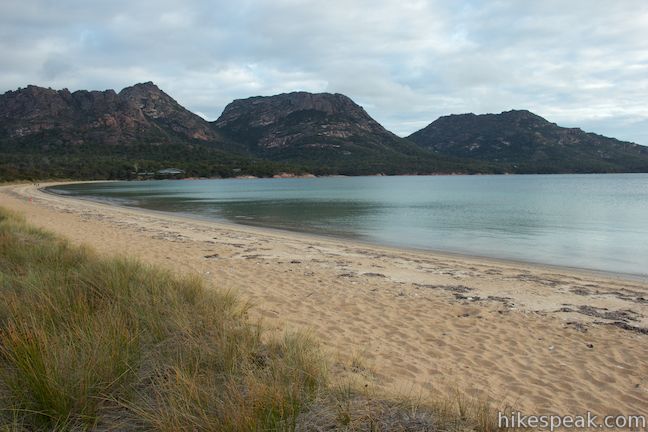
<point>536,338</point>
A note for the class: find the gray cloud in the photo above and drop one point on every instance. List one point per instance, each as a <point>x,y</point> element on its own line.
<point>577,63</point>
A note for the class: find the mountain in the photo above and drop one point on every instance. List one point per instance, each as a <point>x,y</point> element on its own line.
<point>81,134</point>
<point>327,133</point>
<point>47,133</point>
<point>302,120</point>
<point>523,142</point>
<point>142,112</point>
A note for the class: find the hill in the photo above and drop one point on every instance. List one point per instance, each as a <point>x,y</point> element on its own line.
<point>523,142</point>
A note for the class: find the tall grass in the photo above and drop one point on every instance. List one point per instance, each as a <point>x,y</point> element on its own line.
<point>92,343</point>
<point>89,343</point>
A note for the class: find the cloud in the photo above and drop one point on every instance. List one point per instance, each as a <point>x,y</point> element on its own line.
<point>577,63</point>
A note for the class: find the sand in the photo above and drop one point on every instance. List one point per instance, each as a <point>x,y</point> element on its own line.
<point>536,338</point>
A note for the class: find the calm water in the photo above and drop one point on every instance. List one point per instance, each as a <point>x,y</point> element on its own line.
<point>590,221</point>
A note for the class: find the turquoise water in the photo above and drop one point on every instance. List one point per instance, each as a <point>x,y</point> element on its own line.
<point>595,222</point>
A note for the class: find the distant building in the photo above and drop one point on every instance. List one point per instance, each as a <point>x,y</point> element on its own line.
<point>170,172</point>
<point>142,175</point>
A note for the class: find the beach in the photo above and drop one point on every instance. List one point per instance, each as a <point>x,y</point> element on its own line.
<point>538,339</point>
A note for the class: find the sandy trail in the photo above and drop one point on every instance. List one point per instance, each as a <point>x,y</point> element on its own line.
<point>541,339</point>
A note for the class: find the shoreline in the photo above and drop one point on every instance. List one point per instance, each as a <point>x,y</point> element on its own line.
<point>635,277</point>
<point>537,338</point>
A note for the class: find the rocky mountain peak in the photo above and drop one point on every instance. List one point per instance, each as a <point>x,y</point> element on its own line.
<point>266,110</point>
<point>527,142</point>
<point>512,116</point>
<point>140,90</point>
<point>148,98</point>
<point>141,112</point>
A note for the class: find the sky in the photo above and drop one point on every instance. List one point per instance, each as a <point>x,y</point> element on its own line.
<point>578,63</point>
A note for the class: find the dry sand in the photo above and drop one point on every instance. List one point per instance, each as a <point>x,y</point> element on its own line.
<point>540,339</point>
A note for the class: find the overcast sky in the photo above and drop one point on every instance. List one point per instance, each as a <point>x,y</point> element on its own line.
<point>576,63</point>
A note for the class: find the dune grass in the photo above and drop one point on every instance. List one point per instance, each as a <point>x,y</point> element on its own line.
<point>92,343</point>
<point>88,342</point>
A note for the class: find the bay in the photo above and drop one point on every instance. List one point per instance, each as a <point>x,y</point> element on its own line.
<point>596,221</point>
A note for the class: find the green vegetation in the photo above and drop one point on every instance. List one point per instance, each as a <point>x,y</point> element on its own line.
<point>28,159</point>
<point>92,343</point>
<point>361,161</point>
